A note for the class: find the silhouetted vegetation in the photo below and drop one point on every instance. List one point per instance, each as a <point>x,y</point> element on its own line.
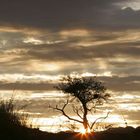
<point>12,127</point>
<point>12,124</point>
<point>10,116</point>
<point>88,92</point>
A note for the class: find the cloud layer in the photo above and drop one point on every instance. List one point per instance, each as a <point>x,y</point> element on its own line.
<point>62,14</point>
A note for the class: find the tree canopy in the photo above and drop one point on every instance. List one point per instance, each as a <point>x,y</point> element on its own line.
<point>88,91</point>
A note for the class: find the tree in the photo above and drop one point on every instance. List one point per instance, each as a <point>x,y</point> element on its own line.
<point>88,91</point>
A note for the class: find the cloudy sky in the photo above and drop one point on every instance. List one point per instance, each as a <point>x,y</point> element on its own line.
<point>44,39</point>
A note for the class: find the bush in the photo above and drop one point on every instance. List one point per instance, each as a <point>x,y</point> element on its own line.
<point>13,125</point>
<point>9,116</point>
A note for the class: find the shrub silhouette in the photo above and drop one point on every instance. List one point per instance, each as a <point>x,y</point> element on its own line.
<point>9,117</point>
<point>12,124</point>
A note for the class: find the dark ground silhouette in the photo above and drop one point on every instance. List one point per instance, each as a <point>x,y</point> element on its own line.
<point>23,133</point>
<point>12,128</point>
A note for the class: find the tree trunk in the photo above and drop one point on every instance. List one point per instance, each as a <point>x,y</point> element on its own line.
<point>85,121</point>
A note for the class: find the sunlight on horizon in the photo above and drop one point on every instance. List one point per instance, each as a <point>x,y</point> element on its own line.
<point>60,123</point>
<point>47,120</point>
<point>83,131</point>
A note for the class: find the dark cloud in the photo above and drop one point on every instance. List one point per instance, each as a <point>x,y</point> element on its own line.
<point>54,14</point>
<point>126,18</point>
<point>64,52</point>
<point>26,86</point>
<point>115,83</point>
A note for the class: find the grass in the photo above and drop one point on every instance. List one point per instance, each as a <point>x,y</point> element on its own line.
<point>13,125</point>
<point>9,117</point>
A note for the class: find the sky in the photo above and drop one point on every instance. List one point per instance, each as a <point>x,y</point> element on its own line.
<point>42,40</point>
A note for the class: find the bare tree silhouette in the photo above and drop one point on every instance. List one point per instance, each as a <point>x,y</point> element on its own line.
<point>88,91</point>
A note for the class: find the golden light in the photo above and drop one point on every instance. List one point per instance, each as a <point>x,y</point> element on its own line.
<point>43,66</point>
<point>88,74</point>
<point>74,33</point>
<point>83,131</point>
<point>24,30</point>
<point>33,40</point>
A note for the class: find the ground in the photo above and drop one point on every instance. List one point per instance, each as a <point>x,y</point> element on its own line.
<point>23,133</point>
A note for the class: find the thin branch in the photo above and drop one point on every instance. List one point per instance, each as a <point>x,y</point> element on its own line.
<point>81,109</point>
<point>64,113</point>
<point>76,110</point>
<point>90,109</point>
<point>98,119</point>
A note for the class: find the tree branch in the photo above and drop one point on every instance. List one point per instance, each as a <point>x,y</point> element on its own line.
<point>90,109</point>
<point>76,110</point>
<point>98,119</point>
<point>62,110</point>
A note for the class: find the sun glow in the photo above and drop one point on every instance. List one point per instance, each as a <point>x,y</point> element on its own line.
<point>83,131</point>
<point>43,66</point>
